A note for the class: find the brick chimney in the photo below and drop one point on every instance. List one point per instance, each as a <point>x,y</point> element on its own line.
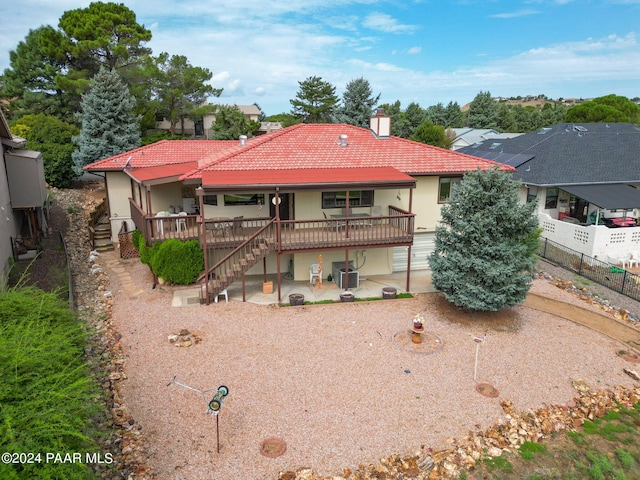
<point>380,124</point>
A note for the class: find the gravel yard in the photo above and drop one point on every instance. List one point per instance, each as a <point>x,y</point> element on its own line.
<point>333,381</point>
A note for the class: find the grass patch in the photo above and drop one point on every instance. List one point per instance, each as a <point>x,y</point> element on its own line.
<point>499,463</point>
<point>604,449</point>
<point>47,396</point>
<point>528,450</point>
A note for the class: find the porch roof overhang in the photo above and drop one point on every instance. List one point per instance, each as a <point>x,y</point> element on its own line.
<point>148,176</point>
<point>298,179</point>
<point>606,195</point>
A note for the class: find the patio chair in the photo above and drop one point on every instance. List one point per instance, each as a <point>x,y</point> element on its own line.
<point>314,272</point>
<point>181,222</point>
<point>160,223</point>
<point>634,259</point>
<point>236,225</point>
<point>224,294</point>
<point>330,224</point>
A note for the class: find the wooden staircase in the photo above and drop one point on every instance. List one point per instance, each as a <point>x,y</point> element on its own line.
<point>233,266</point>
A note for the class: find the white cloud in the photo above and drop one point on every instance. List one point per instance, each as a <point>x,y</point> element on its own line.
<point>519,13</point>
<point>414,50</point>
<point>386,23</point>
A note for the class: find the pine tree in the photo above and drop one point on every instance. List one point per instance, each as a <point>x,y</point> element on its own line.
<point>109,126</point>
<point>483,112</point>
<point>315,102</point>
<point>358,103</point>
<point>486,244</point>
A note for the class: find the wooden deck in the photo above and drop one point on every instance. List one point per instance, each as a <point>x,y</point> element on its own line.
<point>287,235</point>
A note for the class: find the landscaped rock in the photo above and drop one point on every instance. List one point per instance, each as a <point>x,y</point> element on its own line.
<point>94,304</point>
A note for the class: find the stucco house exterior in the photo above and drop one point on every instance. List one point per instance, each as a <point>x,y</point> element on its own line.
<point>22,198</point>
<point>583,175</point>
<point>283,198</point>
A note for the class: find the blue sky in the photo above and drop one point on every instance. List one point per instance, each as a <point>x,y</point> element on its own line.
<point>424,51</point>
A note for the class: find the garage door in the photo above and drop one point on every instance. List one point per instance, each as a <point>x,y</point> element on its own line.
<point>423,245</point>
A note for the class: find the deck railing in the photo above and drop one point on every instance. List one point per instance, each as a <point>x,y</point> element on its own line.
<point>289,235</point>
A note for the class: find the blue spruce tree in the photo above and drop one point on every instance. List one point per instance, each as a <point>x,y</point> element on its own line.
<point>109,126</point>
<point>486,243</point>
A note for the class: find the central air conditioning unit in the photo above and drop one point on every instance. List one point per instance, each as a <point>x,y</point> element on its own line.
<point>339,272</point>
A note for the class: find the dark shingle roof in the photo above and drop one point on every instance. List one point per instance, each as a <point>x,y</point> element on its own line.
<point>572,154</point>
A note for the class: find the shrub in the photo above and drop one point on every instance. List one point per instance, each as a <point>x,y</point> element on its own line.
<point>140,243</point>
<point>176,261</point>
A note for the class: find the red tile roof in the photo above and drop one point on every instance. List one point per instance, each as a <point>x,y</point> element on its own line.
<point>164,152</point>
<point>300,147</point>
<point>173,171</point>
<point>312,146</point>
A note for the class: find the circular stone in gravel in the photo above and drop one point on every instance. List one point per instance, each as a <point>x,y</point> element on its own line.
<point>273,447</point>
<point>431,343</point>
<point>628,356</point>
<point>487,390</point>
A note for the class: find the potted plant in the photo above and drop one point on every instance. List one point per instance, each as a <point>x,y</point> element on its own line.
<point>347,296</point>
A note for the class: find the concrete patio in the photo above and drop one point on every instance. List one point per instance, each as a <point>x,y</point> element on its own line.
<point>369,286</point>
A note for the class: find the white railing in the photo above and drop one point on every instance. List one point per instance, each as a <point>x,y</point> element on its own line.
<point>593,240</point>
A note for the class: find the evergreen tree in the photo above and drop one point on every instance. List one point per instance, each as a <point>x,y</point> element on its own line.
<point>483,112</point>
<point>437,114</point>
<point>358,103</point>
<point>315,102</point>
<point>415,115</point>
<point>178,87</point>
<point>610,108</point>
<point>486,243</point>
<point>109,126</point>
<point>454,115</point>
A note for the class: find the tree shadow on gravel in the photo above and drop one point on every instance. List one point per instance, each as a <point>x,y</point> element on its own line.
<point>504,320</point>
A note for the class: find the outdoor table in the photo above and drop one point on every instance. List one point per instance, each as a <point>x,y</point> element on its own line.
<point>357,219</point>
<point>218,224</point>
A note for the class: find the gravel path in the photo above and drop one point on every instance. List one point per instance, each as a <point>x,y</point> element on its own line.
<point>338,383</point>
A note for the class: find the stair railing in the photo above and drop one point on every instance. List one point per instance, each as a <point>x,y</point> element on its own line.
<point>236,263</point>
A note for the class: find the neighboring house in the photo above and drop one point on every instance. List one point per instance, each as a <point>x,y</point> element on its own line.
<point>282,198</point>
<point>465,137</point>
<point>580,174</point>
<point>203,126</point>
<point>22,199</point>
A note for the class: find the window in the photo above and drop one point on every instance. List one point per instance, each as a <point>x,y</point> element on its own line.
<point>552,198</point>
<point>210,199</point>
<point>244,199</point>
<point>532,194</point>
<point>357,198</point>
<point>446,187</point>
